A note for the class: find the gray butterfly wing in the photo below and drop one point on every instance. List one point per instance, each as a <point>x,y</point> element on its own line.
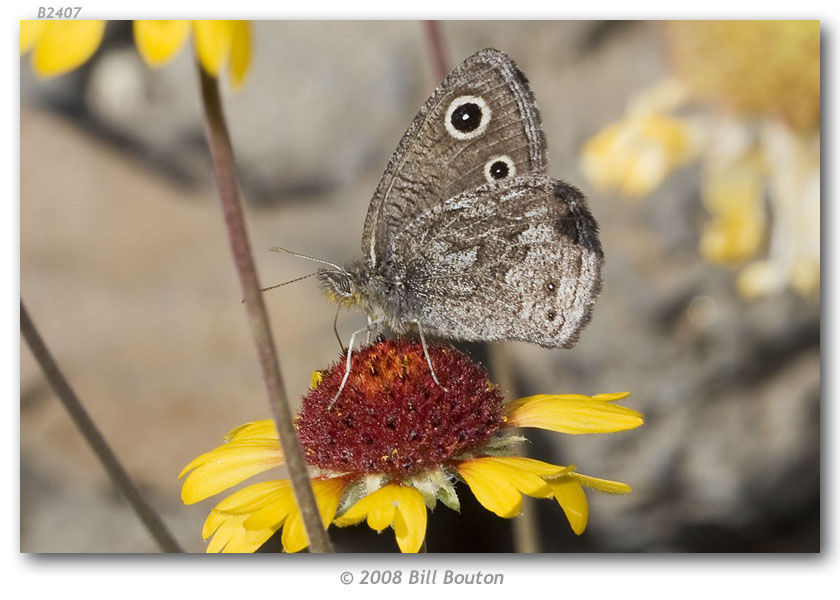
<point>483,114</point>
<point>514,260</point>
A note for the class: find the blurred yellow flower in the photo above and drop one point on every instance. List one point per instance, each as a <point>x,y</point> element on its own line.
<point>637,153</point>
<point>759,146</point>
<point>382,456</point>
<point>733,193</point>
<point>59,46</point>
<point>217,44</point>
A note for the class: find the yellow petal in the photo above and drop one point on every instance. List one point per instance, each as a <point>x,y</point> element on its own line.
<point>569,494</point>
<point>212,44</point>
<point>380,500</point>
<point>213,522</point>
<point>499,482</point>
<point>381,507</point>
<point>378,507</point>
<point>64,45</point>
<point>327,495</point>
<point>159,41</point>
<point>496,496</point>
<point>263,430</point>
<point>396,505</point>
<point>226,466</point>
<point>270,448</point>
<point>240,52</point>
<point>224,533</point>
<point>525,474</point>
<point>254,497</point>
<point>571,414</point>
<point>30,32</point>
<point>410,520</point>
<point>273,514</point>
<point>294,536</point>
<point>246,540</point>
<point>611,397</point>
<point>603,485</point>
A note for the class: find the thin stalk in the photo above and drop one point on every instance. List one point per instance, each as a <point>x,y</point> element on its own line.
<point>441,63</point>
<point>526,540</point>
<point>224,172</point>
<point>94,438</point>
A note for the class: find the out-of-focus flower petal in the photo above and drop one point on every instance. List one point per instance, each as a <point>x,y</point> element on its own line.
<point>635,154</point>
<point>734,195</point>
<point>64,45</point>
<point>240,52</point>
<point>212,44</point>
<point>159,41</point>
<point>30,32</point>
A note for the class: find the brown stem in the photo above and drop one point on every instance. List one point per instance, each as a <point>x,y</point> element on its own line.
<point>438,51</point>
<point>526,538</point>
<point>83,422</point>
<point>223,169</point>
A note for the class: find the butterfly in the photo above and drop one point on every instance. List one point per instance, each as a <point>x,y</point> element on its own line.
<point>467,236</point>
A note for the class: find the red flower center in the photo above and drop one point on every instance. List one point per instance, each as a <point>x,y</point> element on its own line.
<point>391,416</point>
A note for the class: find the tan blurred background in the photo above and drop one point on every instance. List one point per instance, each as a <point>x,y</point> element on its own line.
<point>125,269</point>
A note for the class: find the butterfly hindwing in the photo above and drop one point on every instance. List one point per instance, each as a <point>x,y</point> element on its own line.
<point>513,260</point>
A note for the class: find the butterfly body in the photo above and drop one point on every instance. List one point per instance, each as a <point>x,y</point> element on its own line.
<point>467,236</point>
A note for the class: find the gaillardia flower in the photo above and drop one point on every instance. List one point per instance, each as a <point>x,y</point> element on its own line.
<point>393,445</point>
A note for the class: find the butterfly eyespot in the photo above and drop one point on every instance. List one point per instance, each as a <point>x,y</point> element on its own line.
<point>551,315</point>
<point>550,286</point>
<point>499,167</point>
<point>467,117</point>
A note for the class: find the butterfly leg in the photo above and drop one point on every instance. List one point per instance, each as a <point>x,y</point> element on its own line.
<point>426,354</point>
<point>368,327</point>
<point>335,329</point>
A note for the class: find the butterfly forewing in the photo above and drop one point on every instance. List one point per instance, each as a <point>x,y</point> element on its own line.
<point>513,260</point>
<point>480,125</point>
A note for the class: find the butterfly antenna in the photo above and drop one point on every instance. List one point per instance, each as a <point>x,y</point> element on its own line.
<point>299,255</point>
<point>296,279</point>
<point>271,287</point>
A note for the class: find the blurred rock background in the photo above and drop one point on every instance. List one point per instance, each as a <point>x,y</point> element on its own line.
<point>126,271</point>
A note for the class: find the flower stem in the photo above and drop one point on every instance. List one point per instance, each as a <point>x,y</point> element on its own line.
<point>223,169</point>
<point>526,538</point>
<point>94,438</point>
<point>438,51</point>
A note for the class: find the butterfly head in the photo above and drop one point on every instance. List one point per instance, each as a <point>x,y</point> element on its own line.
<point>377,294</point>
<point>341,286</point>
